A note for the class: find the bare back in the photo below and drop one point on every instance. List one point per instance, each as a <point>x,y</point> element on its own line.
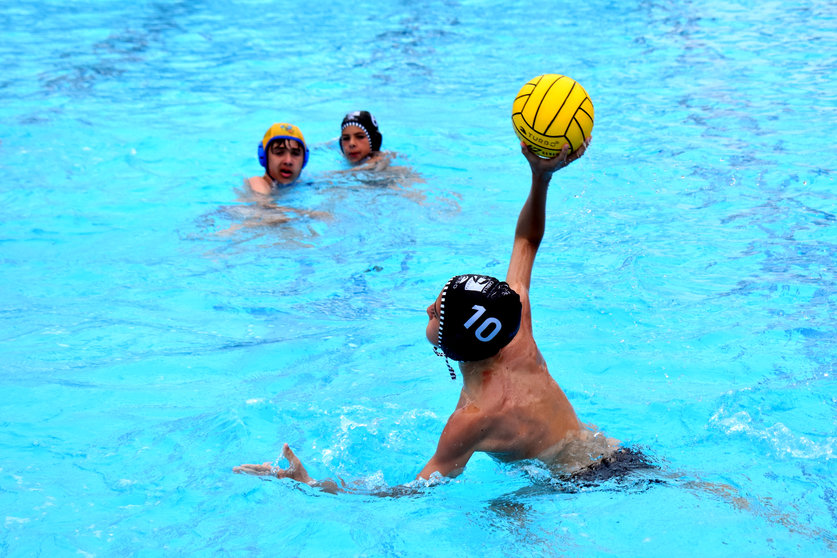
<point>526,414</point>
<point>510,406</point>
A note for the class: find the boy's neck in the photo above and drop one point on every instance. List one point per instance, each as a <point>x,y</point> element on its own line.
<point>476,374</point>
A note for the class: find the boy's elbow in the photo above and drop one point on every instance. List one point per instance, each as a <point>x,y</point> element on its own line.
<point>530,241</point>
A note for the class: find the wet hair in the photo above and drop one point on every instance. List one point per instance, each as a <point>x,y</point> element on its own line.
<point>479,316</point>
<point>366,122</point>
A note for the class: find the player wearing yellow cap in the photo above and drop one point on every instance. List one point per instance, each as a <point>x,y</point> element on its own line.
<point>283,154</point>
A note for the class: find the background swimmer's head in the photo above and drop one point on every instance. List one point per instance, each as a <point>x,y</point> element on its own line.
<point>279,131</point>
<point>366,122</point>
<point>479,315</point>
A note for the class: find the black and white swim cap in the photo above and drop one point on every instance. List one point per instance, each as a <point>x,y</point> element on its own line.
<point>479,316</point>
<point>366,122</point>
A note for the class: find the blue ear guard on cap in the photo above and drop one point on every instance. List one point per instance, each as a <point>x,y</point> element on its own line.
<point>263,155</point>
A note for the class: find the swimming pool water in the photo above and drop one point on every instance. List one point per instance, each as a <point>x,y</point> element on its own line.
<point>156,330</point>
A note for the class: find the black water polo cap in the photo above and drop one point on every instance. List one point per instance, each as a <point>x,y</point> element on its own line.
<point>366,122</point>
<point>479,316</point>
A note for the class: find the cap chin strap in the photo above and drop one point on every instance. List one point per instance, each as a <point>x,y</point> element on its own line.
<point>436,348</point>
<point>439,352</point>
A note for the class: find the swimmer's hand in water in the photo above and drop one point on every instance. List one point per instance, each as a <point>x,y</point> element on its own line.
<point>295,469</point>
<point>543,166</point>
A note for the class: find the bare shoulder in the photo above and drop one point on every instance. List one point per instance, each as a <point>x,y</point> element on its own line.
<point>259,185</point>
<point>460,438</point>
<point>465,428</point>
<point>377,161</point>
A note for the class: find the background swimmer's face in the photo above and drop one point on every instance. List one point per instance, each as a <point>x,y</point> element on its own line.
<point>284,160</point>
<point>432,331</point>
<point>355,144</point>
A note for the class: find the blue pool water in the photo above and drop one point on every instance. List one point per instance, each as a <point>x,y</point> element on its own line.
<point>158,326</point>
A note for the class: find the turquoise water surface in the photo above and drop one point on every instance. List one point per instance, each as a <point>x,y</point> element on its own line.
<point>159,326</point>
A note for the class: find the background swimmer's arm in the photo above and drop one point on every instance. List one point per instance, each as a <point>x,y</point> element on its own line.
<point>378,161</point>
<point>532,218</point>
<point>375,162</point>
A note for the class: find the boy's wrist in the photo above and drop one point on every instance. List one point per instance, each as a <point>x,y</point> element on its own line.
<point>542,177</point>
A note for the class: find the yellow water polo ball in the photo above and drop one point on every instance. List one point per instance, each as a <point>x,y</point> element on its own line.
<point>550,111</point>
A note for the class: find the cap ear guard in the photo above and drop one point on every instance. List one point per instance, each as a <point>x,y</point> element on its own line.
<point>305,159</point>
<point>376,139</point>
<point>262,156</point>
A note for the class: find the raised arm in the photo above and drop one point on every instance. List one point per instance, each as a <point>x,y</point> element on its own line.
<point>532,218</point>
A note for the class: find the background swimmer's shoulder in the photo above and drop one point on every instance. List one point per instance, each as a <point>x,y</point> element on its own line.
<point>258,185</point>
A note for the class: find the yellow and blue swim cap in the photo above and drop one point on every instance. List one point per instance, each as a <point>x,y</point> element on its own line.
<point>281,130</point>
